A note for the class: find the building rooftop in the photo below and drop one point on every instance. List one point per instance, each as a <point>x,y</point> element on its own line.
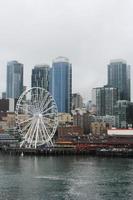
<point>41,66</point>
<point>118,61</point>
<point>60,59</point>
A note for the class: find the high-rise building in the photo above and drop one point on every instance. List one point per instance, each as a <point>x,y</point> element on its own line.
<point>3,95</point>
<point>40,76</point>
<point>99,100</point>
<point>61,74</point>
<point>14,79</point>
<point>111,97</point>
<point>106,98</point>
<point>77,101</point>
<point>119,77</point>
<point>124,114</point>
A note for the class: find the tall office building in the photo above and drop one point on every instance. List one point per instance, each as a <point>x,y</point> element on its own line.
<point>3,95</point>
<point>110,98</point>
<point>124,114</point>
<point>119,77</point>
<point>105,99</point>
<point>40,76</point>
<point>14,79</point>
<point>61,74</point>
<point>98,100</point>
<point>77,101</point>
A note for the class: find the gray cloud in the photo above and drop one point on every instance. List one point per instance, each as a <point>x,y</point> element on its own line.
<point>88,32</point>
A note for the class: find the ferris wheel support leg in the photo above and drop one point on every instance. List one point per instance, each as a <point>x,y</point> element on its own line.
<point>37,128</point>
<point>31,140</point>
<point>47,132</point>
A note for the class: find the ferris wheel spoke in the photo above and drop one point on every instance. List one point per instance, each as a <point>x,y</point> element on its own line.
<point>50,114</point>
<point>49,120</point>
<point>25,110</point>
<point>25,137</point>
<point>42,136</point>
<point>37,130</point>
<point>48,109</point>
<point>37,103</point>
<point>37,99</point>
<point>46,104</point>
<point>41,97</point>
<point>29,132</point>
<point>50,125</point>
<point>34,108</point>
<point>32,137</point>
<point>43,133</point>
<point>46,130</point>
<point>21,144</point>
<point>34,100</point>
<point>49,133</point>
<point>27,120</point>
<point>26,127</point>
<point>44,101</point>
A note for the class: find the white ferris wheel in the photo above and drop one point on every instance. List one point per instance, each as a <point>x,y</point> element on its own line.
<point>36,117</point>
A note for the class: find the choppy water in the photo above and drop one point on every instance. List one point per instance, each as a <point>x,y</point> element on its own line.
<point>65,178</point>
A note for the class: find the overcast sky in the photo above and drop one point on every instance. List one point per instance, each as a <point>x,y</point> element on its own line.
<point>88,32</point>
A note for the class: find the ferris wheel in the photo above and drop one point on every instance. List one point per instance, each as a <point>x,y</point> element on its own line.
<point>36,117</point>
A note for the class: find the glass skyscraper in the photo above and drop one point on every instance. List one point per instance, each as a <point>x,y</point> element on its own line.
<point>105,100</point>
<point>61,89</point>
<point>119,77</point>
<point>40,76</point>
<point>14,79</point>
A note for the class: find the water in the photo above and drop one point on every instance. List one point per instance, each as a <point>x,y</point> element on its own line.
<point>65,178</point>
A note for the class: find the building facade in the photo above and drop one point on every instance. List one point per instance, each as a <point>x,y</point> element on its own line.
<point>119,77</point>
<point>61,89</point>
<point>98,128</point>
<point>77,101</point>
<point>111,97</point>
<point>124,114</point>
<point>106,98</point>
<point>40,76</point>
<point>64,118</point>
<point>14,79</point>
<point>81,119</point>
<point>67,133</point>
<point>3,95</point>
<point>99,100</point>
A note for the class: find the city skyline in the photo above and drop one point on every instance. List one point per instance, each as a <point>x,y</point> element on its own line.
<point>34,68</point>
<point>88,33</point>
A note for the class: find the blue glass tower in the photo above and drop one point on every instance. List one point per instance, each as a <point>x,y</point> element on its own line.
<point>61,89</point>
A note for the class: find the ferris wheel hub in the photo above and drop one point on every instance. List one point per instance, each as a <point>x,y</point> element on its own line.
<point>38,115</point>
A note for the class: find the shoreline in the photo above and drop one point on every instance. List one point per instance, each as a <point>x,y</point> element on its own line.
<point>115,152</point>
